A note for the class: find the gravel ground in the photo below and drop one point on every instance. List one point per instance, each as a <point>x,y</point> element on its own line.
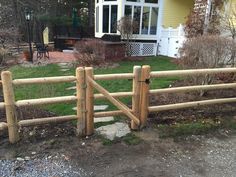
<point>39,167</point>
<point>193,156</point>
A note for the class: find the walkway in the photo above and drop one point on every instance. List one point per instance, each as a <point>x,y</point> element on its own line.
<point>59,57</point>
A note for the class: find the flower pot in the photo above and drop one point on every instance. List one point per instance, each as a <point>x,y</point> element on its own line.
<point>26,55</point>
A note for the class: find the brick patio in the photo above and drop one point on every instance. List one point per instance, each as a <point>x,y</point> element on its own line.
<point>59,57</point>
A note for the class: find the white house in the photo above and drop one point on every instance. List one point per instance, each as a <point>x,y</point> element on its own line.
<point>160,30</point>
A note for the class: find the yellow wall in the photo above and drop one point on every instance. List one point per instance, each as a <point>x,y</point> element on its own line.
<point>176,11</point>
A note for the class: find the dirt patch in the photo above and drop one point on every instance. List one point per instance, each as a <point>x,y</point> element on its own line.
<point>191,156</point>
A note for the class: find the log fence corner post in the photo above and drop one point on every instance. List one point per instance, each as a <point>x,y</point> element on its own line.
<point>144,98</point>
<point>89,102</point>
<point>81,101</point>
<point>9,99</point>
<point>136,95</point>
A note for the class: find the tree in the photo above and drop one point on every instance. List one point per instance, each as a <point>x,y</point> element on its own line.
<point>126,26</point>
<point>204,18</point>
<point>48,12</point>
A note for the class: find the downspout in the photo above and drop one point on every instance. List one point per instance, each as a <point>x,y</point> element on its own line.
<point>207,16</point>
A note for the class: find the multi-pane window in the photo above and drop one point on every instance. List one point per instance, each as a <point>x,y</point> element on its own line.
<point>151,1</point>
<point>153,26</point>
<point>149,18</point>
<point>145,20</point>
<point>97,19</point>
<point>128,10</point>
<point>109,19</point>
<point>105,15</point>
<point>113,25</point>
<point>136,18</point>
<point>133,0</point>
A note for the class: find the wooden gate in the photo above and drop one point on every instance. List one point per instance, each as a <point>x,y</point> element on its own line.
<point>86,83</point>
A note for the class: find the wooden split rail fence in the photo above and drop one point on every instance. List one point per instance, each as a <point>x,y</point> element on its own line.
<point>85,85</point>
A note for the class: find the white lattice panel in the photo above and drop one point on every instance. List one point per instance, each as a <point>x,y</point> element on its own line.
<point>134,49</point>
<point>143,49</point>
<point>148,49</point>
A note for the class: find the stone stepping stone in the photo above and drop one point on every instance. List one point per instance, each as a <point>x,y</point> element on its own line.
<point>68,51</point>
<point>62,64</point>
<point>112,131</point>
<point>96,108</point>
<point>64,67</point>
<point>64,70</point>
<point>100,107</point>
<point>103,119</point>
<point>71,88</point>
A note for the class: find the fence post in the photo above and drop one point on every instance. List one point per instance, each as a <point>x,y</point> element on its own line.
<point>144,103</point>
<point>136,95</point>
<point>81,101</point>
<point>9,100</point>
<point>89,102</point>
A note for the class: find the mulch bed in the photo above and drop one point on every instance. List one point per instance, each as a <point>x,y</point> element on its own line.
<point>214,112</point>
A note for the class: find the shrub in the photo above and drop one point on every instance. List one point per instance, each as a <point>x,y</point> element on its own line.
<point>88,52</point>
<point>207,52</point>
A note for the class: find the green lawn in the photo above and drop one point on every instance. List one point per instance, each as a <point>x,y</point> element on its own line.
<point>52,90</point>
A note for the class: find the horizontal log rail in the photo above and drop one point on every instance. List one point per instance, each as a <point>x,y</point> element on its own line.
<point>45,80</point>
<point>115,95</point>
<point>193,88</point>
<point>108,113</point>
<point>191,72</point>
<point>41,121</point>
<point>114,76</point>
<point>42,101</point>
<point>190,104</point>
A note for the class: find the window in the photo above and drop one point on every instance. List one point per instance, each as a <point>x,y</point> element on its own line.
<point>128,10</point>
<point>113,27</point>
<point>133,0</point>
<point>136,18</point>
<point>109,19</point>
<point>154,17</point>
<point>105,28</point>
<point>145,20</point>
<point>151,1</point>
<point>97,19</point>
